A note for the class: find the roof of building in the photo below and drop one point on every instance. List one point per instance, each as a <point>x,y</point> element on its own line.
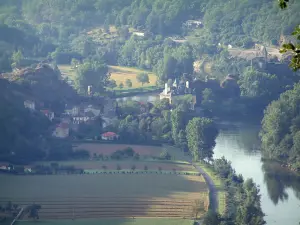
<point>109,134</point>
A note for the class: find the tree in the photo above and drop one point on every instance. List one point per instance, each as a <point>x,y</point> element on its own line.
<point>128,83</point>
<point>280,129</point>
<point>34,211</point>
<point>211,218</point>
<point>201,135</point>
<point>112,84</point>
<point>198,207</point>
<point>182,141</point>
<point>249,212</point>
<point>143,78</point>
<point>294,49</point>
<point>177,124</point>
<point>91,73</point>
<point>17,58</point>
<point>121,85</point>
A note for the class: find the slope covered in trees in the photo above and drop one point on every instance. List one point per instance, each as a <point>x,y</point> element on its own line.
<point>280,133</point>
<point>234,21</point>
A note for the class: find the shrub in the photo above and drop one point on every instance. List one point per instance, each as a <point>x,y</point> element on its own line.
<point>118,167</point>
<point>133,167</point>
<point>136,156</point>
<point>104,167</point>
<point>165,155</point>
<point>145,167</point>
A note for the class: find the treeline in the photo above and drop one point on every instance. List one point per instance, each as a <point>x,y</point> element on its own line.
<point>280,132</point>
<point>243,204</point>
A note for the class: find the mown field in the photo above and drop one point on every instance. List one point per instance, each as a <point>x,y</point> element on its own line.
<point>118,73</point>
<point>121,74</point>
<point>107,196</point>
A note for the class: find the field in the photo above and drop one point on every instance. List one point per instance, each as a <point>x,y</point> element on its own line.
<point>118,73</point>
<point>121,74</point>
<point>135,221</point>
<point>107,196</point>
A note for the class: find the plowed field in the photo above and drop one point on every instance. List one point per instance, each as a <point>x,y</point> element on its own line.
<point>107,196</point>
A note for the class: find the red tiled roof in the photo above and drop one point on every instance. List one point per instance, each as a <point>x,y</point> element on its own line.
<point>109,134</point>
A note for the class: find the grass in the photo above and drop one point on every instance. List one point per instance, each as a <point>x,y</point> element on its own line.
<point>121,74</point>
<point>219,185</point>
<point>128,221</point>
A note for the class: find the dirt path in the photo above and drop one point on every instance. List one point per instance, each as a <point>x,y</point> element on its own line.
<point>212,188</point>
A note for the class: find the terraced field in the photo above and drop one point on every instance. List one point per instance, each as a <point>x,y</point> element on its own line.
<point>107,196</point>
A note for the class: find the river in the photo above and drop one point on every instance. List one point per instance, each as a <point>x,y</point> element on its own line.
<point>280,189</point>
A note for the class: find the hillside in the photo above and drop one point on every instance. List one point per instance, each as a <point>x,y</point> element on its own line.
<point>234,22</point>
<point>44,85</point>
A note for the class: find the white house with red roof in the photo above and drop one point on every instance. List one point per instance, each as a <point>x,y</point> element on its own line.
<point>62,130</point>
<point>109,136</point>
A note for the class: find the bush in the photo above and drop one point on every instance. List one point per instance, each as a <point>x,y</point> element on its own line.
<point>136,156</point>
<point>133,167</point>
<point>118,167</point>
<point>145,167</point>
<point>165,155</point>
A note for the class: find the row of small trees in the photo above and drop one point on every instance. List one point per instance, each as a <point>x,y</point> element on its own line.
<point>142,78</point>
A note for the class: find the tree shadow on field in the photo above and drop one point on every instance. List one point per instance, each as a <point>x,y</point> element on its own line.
<point>121,196</point>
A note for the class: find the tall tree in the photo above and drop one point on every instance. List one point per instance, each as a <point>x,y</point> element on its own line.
<point>177,124</point>
<point>201,135</point>
<point>143,78</point>
<point>92,73</point>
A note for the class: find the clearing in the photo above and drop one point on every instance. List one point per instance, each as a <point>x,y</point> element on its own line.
<point>118,73</point>
<point>107,196</point>
<point>121,74</point>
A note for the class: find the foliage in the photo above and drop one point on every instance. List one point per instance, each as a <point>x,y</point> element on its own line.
<point>243,197</point>
<point>177,124</point>
<point>165,155</point>
<point>92,73</point>
<point>201,135</point>
<point>128,83</point>
<point>280,128</point>
<point>143,78</point>
<point>289,47</point>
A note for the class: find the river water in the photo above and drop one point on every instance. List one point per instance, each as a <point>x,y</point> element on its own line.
<point>239,143</point>
<point>280,189</point>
